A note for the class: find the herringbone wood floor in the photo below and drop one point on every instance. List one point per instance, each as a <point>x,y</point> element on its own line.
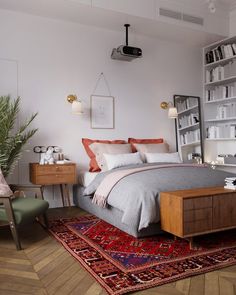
<point>44,267</point>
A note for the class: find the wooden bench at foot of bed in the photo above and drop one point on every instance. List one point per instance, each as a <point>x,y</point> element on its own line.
<point>193,212</point>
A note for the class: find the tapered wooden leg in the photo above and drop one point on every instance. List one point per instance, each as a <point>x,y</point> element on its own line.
<point>12,222</point>
<point>62,195</point>
<point>15,236</point>
<point>191,245</point>
<point>45,218</point>
<point>67,194</point>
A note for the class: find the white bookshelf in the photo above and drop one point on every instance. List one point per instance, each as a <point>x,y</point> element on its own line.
<point>224,142</point>
<point>188,128</point>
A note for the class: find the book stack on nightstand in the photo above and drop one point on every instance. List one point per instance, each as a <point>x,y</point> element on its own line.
<point>230,183</point>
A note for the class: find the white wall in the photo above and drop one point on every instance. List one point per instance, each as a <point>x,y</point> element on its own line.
<point>232,27</point>
<point>56,58</point>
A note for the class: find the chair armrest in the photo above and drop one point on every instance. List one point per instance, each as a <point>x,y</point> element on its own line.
<point>36,189</point>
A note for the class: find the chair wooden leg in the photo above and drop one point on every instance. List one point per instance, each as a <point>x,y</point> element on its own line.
<point>15,235</point>
<point>45,218</point>
<point>12,222</point>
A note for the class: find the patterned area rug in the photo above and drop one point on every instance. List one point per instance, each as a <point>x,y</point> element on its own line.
<point>122,263</point>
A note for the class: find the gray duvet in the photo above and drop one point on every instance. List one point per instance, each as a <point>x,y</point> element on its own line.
<point>137,195</point>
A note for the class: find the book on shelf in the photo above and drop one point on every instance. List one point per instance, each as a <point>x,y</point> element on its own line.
<point>220,52</point>
<point>186,104</point>
<point>221,131</point>
<point>226,110</point>
<point>190,137</point>
<point>221,72</point>
<point>220,92</point>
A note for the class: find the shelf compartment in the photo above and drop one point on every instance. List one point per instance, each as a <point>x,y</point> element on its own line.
<point>220,139</point>
<point>220,120</point>
<point>222,82</point>
<point>187,110</point>
<point>219,62</point>
<point>191,144</point>
<point>187,127</point>
<point>220,100</point>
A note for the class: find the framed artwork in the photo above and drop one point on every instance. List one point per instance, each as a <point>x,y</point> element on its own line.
<point>102,112</point>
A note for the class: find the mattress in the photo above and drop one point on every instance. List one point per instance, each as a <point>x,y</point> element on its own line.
<point>86,177</point>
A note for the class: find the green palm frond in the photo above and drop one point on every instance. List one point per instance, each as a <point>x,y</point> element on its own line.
<point>12,140</point>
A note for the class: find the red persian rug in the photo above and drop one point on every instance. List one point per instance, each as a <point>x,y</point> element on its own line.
<point>122,263</point>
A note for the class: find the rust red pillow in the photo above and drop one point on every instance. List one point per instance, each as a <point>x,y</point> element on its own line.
<point>93,165</point>
<point>146,140</point>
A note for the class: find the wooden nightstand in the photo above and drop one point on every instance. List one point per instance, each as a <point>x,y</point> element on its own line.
<point>55,174</point>
<point>193,212</point>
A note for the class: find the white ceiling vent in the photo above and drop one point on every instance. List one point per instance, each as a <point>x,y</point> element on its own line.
<point>193,19</point>
<point>170,13</point>
<point>181,16</point>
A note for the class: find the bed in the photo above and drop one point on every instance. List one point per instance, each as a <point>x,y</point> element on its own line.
<point>132,204</point>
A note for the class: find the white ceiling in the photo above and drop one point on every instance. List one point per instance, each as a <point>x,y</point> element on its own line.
<point>230,3</point>
<point>73,11</point>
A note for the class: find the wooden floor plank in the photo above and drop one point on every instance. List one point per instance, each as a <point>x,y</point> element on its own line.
<point>55,285</point>
<point>48,259</point>
<point>197,285</point>
<point>226,286</point>
<point>18,273</point>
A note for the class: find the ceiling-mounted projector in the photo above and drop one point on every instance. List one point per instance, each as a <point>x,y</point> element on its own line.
<point>126,52</point>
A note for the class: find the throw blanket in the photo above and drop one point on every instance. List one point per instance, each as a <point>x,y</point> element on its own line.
<point>105,187</point>
<point>137,194</point>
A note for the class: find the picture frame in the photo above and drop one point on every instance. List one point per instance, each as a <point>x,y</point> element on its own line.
<point>102,112</point>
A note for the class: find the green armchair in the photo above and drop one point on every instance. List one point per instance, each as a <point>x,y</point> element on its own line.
<point>18,210</point>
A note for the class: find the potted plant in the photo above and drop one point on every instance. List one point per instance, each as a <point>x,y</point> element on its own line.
<point>12,137</point>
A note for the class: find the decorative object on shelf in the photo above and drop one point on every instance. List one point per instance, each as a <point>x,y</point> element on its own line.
<point>172,111</point>
<point>188,128</point>
<point>102,107</point>
<point>13,137</point>
<point>47,158</point>
<point>76,104</point>
<point>41,150</point>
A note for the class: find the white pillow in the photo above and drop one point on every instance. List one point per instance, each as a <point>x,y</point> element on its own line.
<point>99,149</point>
<point>143,148</point>
<point>163,158</point>
<point>115,161</point>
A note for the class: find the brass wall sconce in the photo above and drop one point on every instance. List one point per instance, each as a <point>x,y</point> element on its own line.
<point>76,105</point>
<point>172,111</point>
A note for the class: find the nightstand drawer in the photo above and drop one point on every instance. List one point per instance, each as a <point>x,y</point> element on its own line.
<point>54,169</point>
<point>55,179</point>
<point>197,203</point>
